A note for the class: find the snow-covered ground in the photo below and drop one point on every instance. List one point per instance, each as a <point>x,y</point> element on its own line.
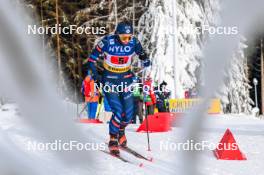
<point>248,132</point>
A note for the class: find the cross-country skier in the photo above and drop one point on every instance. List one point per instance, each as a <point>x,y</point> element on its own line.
<point>118,50</point>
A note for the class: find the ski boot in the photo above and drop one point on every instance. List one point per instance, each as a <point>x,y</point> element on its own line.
<point>113,145</point>
<point>122,138</point>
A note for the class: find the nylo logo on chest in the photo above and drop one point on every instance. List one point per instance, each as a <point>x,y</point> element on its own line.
<point>120,49</point>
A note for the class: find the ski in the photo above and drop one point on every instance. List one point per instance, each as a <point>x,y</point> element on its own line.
<point>119,157</point>
<point>135,153</point>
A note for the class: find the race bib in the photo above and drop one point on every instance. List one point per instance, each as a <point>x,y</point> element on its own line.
<point>119,59</point>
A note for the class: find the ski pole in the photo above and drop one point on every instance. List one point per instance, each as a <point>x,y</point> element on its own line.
<point>146,113</point>
<point>79,115</point>
<point>99,109</point>
<point>147,131</point>
<point>140,71</point>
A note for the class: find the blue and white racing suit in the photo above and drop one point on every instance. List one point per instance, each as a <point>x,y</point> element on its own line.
<point>117,71</point>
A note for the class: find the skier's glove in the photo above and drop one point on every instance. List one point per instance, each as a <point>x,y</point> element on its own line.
<point>146,63</point>
<point>135,79</point>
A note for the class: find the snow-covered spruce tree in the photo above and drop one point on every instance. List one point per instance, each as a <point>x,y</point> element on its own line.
<point>235,94</point>
<point>157,32</point>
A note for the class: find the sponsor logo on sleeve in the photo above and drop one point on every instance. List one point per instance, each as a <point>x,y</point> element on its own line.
<point>112,41</point>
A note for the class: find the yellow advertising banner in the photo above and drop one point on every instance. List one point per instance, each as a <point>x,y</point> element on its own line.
<point>182,105</point>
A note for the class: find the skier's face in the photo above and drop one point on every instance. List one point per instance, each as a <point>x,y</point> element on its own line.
<point>125,38</point>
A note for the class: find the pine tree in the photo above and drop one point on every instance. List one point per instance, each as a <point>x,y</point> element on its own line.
<point>75,48</point>
<point>156,33</point>
<point>235,94</point>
